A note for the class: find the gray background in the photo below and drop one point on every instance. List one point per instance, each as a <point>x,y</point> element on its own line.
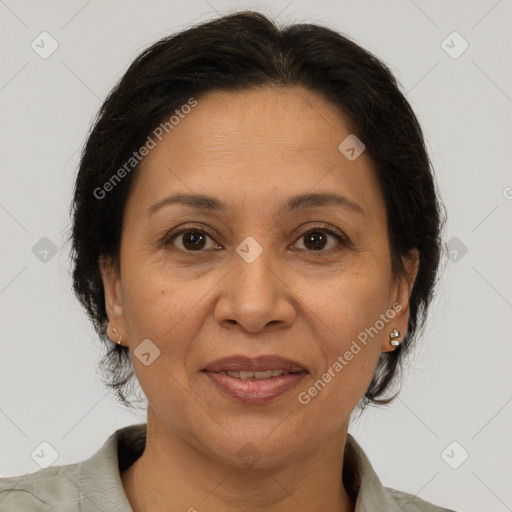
<point>459,387</point>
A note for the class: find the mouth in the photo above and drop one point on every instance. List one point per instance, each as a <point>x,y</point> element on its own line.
<point>240,363</point>
<point>254,380</point>
<point>255,375</point>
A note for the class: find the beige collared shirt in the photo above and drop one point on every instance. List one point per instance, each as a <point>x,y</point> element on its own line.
<point>94,485</point>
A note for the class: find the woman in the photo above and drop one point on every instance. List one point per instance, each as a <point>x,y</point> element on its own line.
<point>256,236</point>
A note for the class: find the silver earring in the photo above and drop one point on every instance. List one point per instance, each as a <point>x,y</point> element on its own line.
<point>114,330</point>
<point>393,335</point>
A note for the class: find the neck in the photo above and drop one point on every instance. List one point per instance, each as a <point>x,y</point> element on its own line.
<point>172,475</point>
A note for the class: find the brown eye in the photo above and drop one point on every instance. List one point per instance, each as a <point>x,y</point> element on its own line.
<point>315,240</point>
<point>318,238</point>
<point>191,240</point>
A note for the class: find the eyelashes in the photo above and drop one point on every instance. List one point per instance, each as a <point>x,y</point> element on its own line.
<point>341,239</point>
<point>201,232</point>
<point>202,236</point>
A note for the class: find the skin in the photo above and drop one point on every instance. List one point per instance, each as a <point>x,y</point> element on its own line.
<point>253,150</point>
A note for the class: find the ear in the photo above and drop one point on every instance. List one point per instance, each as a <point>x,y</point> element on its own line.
<point>400,297</point>
<point>110,275</point>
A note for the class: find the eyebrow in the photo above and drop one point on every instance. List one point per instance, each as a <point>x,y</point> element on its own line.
<point>294,203</point>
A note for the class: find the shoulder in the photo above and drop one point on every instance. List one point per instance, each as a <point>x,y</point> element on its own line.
<point>47,489</point>
<point>90,485</point>
<point>410,503</point>
<point>372,496</point>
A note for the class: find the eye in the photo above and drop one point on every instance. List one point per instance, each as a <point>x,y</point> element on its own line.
<point>196,239</point>
<point>191,240</point>
<point>316,238</point>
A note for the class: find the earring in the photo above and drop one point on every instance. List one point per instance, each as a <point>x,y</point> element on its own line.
<point>393,335</point>
<point>114,330</point>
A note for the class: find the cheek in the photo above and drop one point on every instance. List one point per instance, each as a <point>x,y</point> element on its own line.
<point>162,308</point>
<point>351,319</point>
<point>167,313</point>
<point>352,299</point>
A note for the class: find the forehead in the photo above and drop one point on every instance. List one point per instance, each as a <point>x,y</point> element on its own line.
<point>292,119</point>
<point>256,145</point>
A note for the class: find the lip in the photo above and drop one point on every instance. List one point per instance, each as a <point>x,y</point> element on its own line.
<point>254,364</point>
<point>254,391</point>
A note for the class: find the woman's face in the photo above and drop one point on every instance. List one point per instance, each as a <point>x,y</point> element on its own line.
<point>260,276</point>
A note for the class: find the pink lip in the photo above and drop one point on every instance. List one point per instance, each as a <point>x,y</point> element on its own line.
<point>255,391</point>
<point>254,364</point>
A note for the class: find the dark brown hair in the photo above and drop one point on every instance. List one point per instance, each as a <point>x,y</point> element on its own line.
<point>232,53</point>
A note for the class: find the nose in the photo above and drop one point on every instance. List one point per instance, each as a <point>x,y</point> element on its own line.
<point>256,296</point>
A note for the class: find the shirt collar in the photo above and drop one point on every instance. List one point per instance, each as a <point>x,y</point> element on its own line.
<point>372,496</point>
<point>100,475</point>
